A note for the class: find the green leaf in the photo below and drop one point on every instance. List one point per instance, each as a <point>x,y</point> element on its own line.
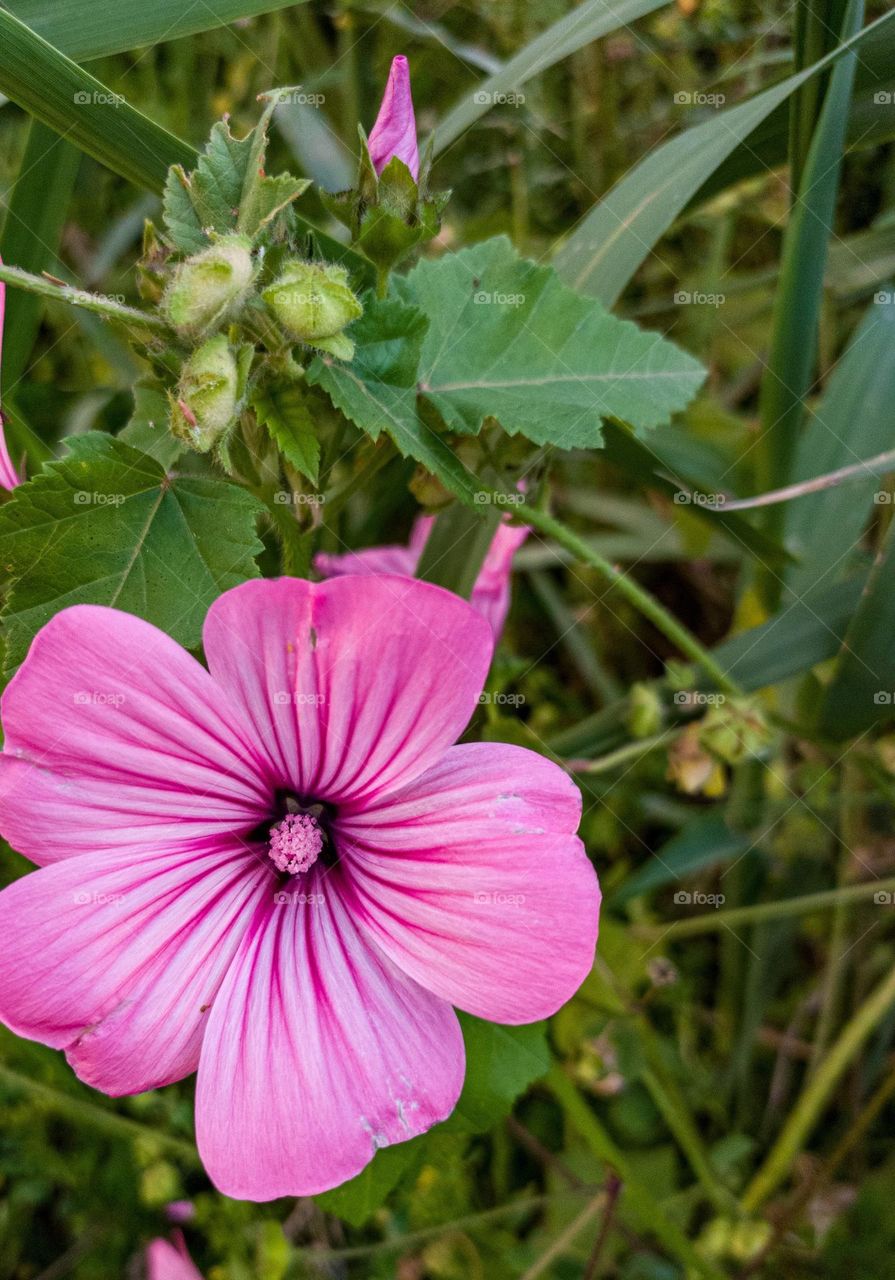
<point>706,841</point>
<point>607,247</point>
<point>789,370</point>
<point>852,421</point>
<point>862,691</point>
<point>106,525</point>
<point>37,207</point>
<point>87,113</point>
<point>284,411</point>
<point>801,634</point>
<point>501,1062</point>
<point>508,339</point>
<point>377,389</point>
<point>147,430</point>
<point>84,31</point>
<point>354,1201</point>
<point>589,21</point>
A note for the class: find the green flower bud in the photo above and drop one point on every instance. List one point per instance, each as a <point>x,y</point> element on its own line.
<point>206,404</point>
<point>209,287</point>
<point>314,303</point>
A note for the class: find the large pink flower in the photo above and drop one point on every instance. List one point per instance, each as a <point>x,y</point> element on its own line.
<point>491,593</point>
<point>9,476</point>
<point>394,133</point>
<point>279,870</point>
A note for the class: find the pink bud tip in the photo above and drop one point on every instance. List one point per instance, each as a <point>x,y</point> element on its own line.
<point>394,133</point>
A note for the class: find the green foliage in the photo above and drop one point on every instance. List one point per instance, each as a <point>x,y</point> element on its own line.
<point>107,526</point>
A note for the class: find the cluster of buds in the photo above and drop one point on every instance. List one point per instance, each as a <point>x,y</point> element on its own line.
<point>245,299</point>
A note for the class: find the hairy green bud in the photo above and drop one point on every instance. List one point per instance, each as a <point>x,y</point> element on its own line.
<point>208,288</point>
<point>206,403</point>
<point>313,302</point>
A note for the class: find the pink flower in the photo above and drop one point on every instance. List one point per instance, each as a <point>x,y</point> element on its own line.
<point>491,593</point>
<point>394,133</point>
<point>166,1261</point>
<point>9,477</point>
<point>180,921</point>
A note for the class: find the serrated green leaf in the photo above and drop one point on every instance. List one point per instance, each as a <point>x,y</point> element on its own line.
<point>106,525</point>
<point>508,339</point>
<point>267,198</point>
<point>180,218</point>
<point>377,392</point>
<point>501,1062</point>
<point>284,411</point>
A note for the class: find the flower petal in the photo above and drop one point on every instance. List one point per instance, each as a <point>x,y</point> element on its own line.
<point>117,738</point>
<point>491,593</point>
<point>388,559</point>
<point>394,133</point>
<point>166,1262</point>
<point>472,881</point>
<point>318,1052</point>
<point>117,961</point>
<point>353,686</point>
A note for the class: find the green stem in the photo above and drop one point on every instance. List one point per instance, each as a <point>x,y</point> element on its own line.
<point>95,302</point>
<point>816,1094</point>
<point>715,920</point>
<point>643,602</point>
<point>636,1193</point>
<point>366,466</point>
<point>87,1113</point>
